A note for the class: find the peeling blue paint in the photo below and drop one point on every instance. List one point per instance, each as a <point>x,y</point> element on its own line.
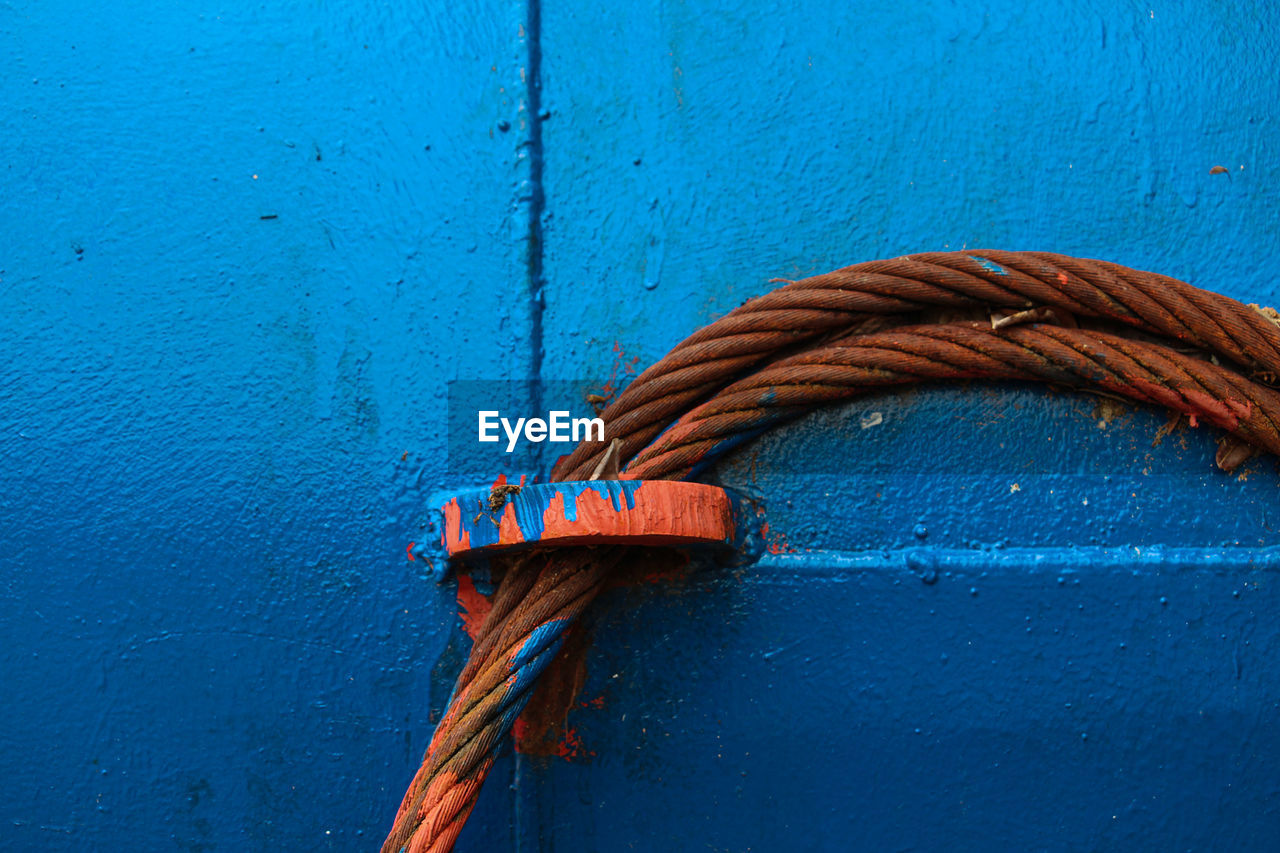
<point>992,266</point>
<point>618,493</point>
<point>543,637</point>
<point>528,663</point>
<point>531,504</point>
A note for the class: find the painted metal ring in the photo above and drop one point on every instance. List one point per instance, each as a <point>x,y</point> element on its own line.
<point>588,512</point>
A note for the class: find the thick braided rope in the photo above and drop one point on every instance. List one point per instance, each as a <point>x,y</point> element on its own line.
<point>811,343</point>
<point>538,600</point>
<point>805,310</point>
<point>1139,371</point>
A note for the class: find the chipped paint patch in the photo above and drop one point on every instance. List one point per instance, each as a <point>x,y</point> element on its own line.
<point>992,266</point>
<point>776,542</point>
<point>572,748</point>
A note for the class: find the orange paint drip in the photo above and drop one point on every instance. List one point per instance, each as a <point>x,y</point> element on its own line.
<point>509,531</point>
<point>1155,392</point>
<point>521,731</point>
<point>572,747</point>
<point>776,543</point>
<point>1243,409</point>
<point>453,537</point>
<point>1223,413</point>
<point>474,606</point>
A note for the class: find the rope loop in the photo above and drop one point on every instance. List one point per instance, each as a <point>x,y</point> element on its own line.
<point>992,315</point>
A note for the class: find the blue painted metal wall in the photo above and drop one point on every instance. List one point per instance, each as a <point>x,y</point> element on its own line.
<point>242,248</point>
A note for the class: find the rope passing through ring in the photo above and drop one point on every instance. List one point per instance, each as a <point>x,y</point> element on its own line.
<point>1084,324</point>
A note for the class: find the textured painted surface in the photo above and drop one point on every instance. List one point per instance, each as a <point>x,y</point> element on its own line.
<point>696,150</point>
<point>243,247</point>
<point>1059,638</point>
<point>218,427</point>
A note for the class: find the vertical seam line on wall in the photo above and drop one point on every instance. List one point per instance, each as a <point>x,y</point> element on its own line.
<point>531,197</point>
<point>524,813</point>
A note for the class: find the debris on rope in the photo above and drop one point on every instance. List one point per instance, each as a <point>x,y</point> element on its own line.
<point>1084,324</point>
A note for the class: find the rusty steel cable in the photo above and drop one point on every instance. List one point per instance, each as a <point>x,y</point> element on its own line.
<point>1076,323</point>
<point>803,311</point>
<point>1078,358</point>
<point>541,595</point>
